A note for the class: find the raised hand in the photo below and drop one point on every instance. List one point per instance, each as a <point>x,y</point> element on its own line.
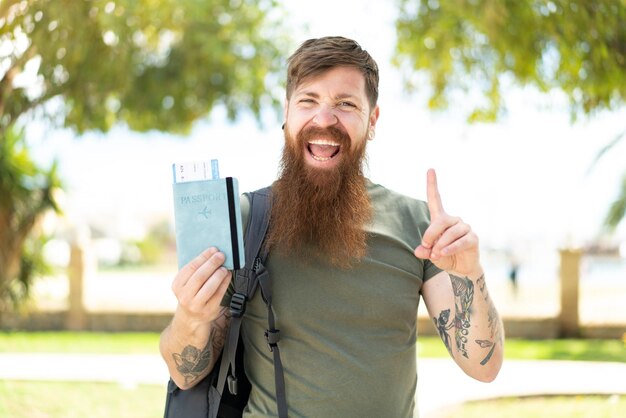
<point>448,242</point>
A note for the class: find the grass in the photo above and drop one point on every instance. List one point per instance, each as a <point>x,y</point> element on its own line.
<point>521,349</point>
<point>79,342</point>
<point>74,400</point>
<point>148,343</point>
<point>539,407</point>
<point>20,399</point>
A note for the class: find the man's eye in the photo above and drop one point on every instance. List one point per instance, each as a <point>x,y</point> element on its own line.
<point>346,104</point>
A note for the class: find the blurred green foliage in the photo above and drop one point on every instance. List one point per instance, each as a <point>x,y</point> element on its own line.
<point>26,194</point>
<point>152,65</point>
<point>576,47</point>
<point>92,64</point>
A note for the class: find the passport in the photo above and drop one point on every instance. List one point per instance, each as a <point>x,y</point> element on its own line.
<point>207,214</point>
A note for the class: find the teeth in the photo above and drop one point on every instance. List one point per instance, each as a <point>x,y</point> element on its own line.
<point>316,158</point>
<point>323,142</point>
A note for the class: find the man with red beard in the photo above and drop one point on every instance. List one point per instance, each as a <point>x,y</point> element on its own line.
<point>349,262</point>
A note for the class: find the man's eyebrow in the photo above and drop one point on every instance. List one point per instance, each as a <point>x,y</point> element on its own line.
<point>340,96</point>
<point>307,93</point>
<point>346,96</point>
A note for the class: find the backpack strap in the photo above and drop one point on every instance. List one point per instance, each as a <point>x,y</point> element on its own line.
<point>245,283</point>
<point>272,335</point>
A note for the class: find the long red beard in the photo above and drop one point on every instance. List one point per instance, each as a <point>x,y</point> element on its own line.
<point>320,212</point>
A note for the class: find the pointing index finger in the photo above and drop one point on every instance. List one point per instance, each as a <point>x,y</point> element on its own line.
<point>432,193</point>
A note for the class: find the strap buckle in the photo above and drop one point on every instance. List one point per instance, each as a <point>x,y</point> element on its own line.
<point>237,305</point>
<point>232,384</point>
<point>257,265</point>
<point>272,336</point>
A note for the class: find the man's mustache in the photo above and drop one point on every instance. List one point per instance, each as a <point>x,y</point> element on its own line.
<point>332,132</point>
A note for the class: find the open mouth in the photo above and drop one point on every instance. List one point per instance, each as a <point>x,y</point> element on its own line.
<point>322,149</point>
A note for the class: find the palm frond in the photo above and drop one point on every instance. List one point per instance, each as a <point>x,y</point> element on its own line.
<point>605,149</point>
<point>617,210</point>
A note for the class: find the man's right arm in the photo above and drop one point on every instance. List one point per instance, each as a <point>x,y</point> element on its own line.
<point>191,343</point>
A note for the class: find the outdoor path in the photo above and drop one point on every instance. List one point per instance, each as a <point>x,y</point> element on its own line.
<point>441,382</point>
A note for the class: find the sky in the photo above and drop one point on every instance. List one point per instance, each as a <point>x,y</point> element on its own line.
<point>522,182</point>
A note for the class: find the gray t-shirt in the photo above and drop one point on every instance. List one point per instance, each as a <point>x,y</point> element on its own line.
<point>347,336</point>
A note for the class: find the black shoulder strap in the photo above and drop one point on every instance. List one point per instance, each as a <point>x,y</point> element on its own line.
<point>245,284</point>
<point>272,335</point>
<point>258,223</point>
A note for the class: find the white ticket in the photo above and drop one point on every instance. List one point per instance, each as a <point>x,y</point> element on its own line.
<point>196,170</point>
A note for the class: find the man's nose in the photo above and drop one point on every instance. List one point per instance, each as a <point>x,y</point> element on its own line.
<point>325,116</point>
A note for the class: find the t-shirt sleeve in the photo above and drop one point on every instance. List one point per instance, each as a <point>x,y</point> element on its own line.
<point>430,270</point>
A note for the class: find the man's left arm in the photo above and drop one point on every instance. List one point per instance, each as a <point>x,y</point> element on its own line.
<point>457,299</point>
<point>467,322</point>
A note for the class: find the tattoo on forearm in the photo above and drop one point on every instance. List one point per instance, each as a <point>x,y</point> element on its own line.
<point>463,289</point>
<point>192,362</point>
<point>493,322</point>
<point>219,330</point>
<point>442,326</point>
<point>463,298</point>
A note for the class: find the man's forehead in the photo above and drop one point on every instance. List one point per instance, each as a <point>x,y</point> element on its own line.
<point>348,81</point>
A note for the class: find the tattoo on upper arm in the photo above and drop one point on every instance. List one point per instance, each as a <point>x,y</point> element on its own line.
<point>193,362</point>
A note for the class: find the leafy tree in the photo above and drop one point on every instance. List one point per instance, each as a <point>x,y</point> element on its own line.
<point>26,192</point>
<point>91,64</point>
<point>578,47</point>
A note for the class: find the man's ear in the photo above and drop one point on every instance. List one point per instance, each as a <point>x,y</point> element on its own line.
<point>372,123</point>
<point>374,117</point>
<point>285,112</point>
